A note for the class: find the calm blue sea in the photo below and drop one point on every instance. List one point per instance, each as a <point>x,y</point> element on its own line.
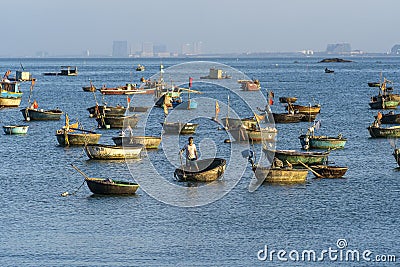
<point>358,213</point>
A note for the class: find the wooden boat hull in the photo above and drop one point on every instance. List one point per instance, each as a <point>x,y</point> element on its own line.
<point>243,134</point>
<point>140,68</point>
<point>288,118</point>
<point>149,142</point>
<point>306,109</point>
<point>111,187</point>
<point>389,104</point>
<point>281,175</point>
<point>40,114</point>
<point>15,129</point>
<point>65,71</point>
<point>10,101</point>
<point>10,95</point>
<point>89,88</point>
<point>138,109</point>
<point>322,142</point>
<point>107,152</point>
<point>118,122</point>
<point>234,123</point>
<point>308,158</point>
<point>379,132</point>
<point>210,170</point>
<point>116,111</point>
<point>250,86</point>
<point>390,119</point>
<point>327,171</point>
<point>77,139</point>
<point>128,89</point>
<point>287,99</point>
<point>374,84</point>
<point>179,128</point>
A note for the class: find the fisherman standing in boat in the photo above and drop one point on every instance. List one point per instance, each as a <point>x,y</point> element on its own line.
<point>5,77</point>
<point>191,154</point>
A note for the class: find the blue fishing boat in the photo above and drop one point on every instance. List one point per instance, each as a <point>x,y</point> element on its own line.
<point>10,95</point>
<point>310,140</point>
<point>15,129</point>
<point>32,111</point>
<point>40,114</point>
<point>383,102</point>
<point>322,142</point>
<point>296,157</point>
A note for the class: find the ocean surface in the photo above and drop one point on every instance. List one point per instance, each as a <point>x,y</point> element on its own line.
<point>169,223</point>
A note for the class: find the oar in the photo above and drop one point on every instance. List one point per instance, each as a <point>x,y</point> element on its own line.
<point>65,194</point>
<point>314,172</point>
<point>81,172</point>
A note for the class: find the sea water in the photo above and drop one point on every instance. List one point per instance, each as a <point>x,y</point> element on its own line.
<point>241,228</point>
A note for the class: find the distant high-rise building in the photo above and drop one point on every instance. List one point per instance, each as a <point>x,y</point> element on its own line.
<point>147,49</point>
<point>198,48</point>
<point>159,48</point>
<point>343,48</point>
<point>120,49</point>
<point>187,49</point>
<point>195,48</point>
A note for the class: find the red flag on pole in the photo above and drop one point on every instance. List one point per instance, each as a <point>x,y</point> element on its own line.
<point>190,82</point>
<point>216,107</point>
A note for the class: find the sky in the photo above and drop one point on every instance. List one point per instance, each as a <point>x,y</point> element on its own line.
<point>74,26</point>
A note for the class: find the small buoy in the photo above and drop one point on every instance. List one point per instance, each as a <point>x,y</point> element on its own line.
<point>227,140</point>
<point>28,118</point>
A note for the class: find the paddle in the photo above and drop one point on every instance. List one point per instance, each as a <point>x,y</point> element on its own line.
<point>65,194</point>
<point>81,172</point>
<point>314,172</point>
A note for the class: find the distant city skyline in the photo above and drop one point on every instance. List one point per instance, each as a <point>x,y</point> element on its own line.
<point>89,27</point>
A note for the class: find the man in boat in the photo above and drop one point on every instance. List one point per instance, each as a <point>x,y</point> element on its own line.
<point>5,77</point>
<point>379,117</point>
<point>377,121</point>
<point>191,154</point>
<point>34,105</point>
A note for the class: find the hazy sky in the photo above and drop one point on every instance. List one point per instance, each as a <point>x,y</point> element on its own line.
<point>73,26</point>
